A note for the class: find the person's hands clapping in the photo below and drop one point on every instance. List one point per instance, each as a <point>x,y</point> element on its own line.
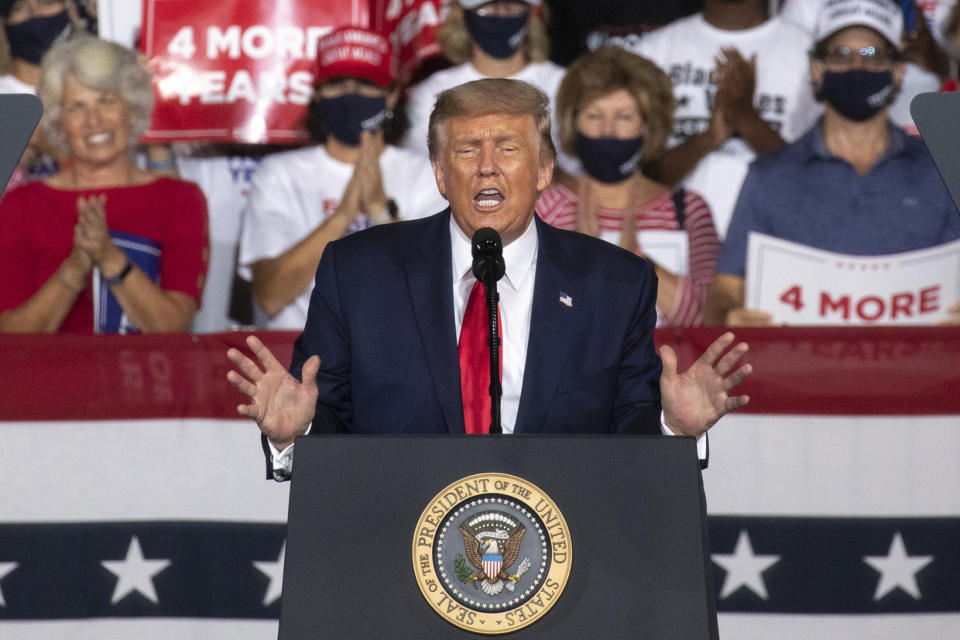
<point>736,82</point>
<point>91,233</point>
<point>372,196</point>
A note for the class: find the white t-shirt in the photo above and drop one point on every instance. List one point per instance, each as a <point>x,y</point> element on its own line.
<point>805,13</point>
<point>295,191</point>
<point>225,181</point>
<point>686,49</point>
<point>12,84</point>
<point>546,76</point>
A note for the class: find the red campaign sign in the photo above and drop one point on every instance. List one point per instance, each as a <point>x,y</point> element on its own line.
<point>413,26</point>
<point>236,70</point>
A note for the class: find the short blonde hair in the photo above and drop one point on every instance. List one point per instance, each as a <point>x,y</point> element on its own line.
<point>492,96</point>
<point>99,65</point>
<point>457,43</point>
<point>608,69</point>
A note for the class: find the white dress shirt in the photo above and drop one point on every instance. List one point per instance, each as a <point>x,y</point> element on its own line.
<point>516,305</point>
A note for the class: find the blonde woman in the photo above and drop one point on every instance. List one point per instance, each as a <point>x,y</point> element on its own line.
<point>101,246</point>
<point>615,112</point>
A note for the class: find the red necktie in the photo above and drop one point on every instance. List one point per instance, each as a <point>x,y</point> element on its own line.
<point>475,361</point>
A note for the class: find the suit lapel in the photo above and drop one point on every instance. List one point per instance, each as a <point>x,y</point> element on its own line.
<point>430,281</point>
<point>551,325</point>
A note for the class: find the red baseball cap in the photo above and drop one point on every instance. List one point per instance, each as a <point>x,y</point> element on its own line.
<point>356,52</point>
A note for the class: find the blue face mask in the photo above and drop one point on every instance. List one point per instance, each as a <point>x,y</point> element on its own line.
<point>30,40</point>
<point>609,159</point>
<point>858,94</point>
<point>346,116</point>
<point>498,36</point>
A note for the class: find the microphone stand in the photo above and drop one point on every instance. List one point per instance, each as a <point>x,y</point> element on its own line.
<point>488,267</point>
<point>493,341</point>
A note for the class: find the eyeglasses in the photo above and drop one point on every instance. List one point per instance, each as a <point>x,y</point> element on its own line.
<point>510,8</point>
<point>869,57</point>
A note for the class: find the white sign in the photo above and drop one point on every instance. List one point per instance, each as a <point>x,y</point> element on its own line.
<point>798,284</point>
<point>669,249</point>
<point>119,21</point>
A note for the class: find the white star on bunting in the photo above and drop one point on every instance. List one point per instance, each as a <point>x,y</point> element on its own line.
<point>135,573</point>
<point>274,571</point>
<point>5,568</point>
<point>897,569</point>
<point>744,567</point>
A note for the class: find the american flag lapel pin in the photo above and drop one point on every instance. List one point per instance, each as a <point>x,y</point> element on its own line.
<point>566,300</point>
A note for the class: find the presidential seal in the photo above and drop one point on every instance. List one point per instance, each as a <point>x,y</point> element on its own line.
<point>491,553</point>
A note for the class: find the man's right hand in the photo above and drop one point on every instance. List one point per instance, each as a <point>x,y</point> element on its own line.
<point>282,406</point>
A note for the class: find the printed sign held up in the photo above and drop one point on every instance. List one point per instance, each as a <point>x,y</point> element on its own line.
<point>800,285</point>
<point>236,70</point>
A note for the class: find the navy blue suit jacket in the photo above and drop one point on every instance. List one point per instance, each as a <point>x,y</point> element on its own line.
<point>381,320</point>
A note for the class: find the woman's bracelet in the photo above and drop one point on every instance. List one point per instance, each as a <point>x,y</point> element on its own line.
<point>117,279</point>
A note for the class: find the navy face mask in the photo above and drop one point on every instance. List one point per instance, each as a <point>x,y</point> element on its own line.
<point>346,116</point>
<point>30,40</point>
<point>609,159</point>
<point>858,94</point>
<point>498,36</point>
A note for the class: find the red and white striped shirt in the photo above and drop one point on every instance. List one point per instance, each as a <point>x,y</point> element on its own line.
<point>558,207</point>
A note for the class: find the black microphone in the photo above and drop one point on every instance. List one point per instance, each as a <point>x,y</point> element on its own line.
<point>488,266</point>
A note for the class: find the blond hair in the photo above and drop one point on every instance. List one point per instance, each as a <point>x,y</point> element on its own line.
<point>608,69</point>
<point>457,43</point>
<point>491,96</point>
<point>99,65</point>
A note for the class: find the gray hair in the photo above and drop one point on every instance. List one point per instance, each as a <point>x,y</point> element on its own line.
<point>492,96</point>
<point>99,65</point>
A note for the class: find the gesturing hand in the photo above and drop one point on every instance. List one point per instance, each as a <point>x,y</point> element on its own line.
<point>282,406</point>
<point>695,399</point>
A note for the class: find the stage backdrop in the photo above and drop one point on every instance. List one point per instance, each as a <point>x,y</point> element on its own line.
<point>134,503</point>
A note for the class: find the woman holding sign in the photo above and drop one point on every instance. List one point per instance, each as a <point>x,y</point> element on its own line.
<point>615,112</point>
<point>854,184</point>
<point>101,246</point>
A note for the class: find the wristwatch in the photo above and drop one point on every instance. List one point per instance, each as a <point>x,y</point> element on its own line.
<point>117,279</point>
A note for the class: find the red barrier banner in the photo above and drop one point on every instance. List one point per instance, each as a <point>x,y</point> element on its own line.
<point>797,371</point>
<point>413,26</point>
<point>236,70</point>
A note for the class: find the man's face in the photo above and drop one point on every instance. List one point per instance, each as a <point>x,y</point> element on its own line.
<point>489,170</point>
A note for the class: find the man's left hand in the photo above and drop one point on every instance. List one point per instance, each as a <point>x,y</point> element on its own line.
<point>694,400</point>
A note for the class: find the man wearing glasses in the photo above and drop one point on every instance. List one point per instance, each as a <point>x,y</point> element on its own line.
<point>854,183</point>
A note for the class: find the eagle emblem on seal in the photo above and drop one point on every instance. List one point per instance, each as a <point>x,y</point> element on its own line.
<point>491,541</point>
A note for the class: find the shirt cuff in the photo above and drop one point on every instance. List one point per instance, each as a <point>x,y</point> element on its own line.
<point>282,461</point>
<point>701,441</point>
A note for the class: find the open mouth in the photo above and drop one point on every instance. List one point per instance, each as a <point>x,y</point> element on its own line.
<point>98,138</point>
<point>488,199</point>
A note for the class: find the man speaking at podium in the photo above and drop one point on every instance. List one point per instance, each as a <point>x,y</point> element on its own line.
<point>392,307</point>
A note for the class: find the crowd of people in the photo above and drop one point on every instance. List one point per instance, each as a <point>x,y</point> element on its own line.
<point>788,118</point>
